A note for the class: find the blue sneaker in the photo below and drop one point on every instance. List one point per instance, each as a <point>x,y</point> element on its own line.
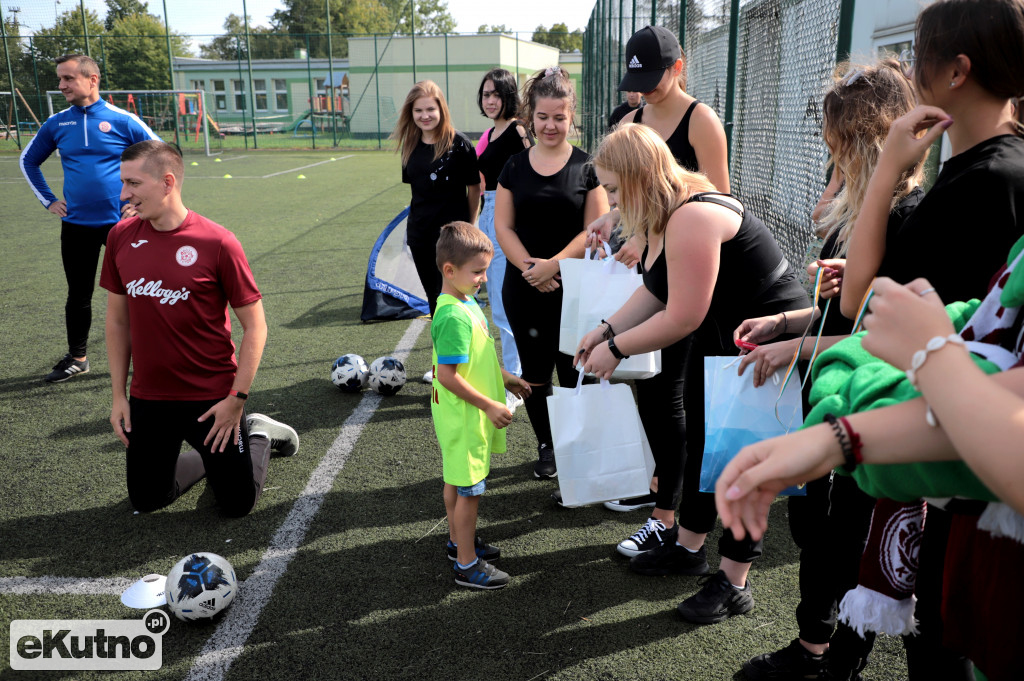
<point>485,551</point>
<point>482,575</point>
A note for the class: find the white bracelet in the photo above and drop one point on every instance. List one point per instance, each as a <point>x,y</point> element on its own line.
<point>936,343</point>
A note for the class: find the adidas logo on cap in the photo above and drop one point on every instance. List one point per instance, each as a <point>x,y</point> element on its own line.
<point>209,605</point>
<point>634,63</point>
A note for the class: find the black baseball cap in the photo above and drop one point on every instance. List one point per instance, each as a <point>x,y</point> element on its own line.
<point>649,52</point>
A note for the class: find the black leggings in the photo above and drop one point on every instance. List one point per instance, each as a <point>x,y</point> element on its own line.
<point>424,256</point>
<point>830,525</point>
<point>158,473</point>
<point>80,252</point>
<point>535,319</point>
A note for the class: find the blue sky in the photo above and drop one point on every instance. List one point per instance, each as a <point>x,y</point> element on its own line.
<point>203,17</point>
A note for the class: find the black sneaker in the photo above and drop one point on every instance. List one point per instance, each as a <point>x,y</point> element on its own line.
<point>670,559</point>
<point>792,662</point>
<point>652,535</point>
<point>545,466</point>
<point>556,497</point>
<point>485,551</point>
<point>717,601</point>
<point>631,504</point>
<point>482,575</point>
<point>283,438</point>
<point>67,367</point>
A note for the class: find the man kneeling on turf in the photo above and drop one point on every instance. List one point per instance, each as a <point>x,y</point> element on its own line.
<point>468,399</point>
<point>170,275</point>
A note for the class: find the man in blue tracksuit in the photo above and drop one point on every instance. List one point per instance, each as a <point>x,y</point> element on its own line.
<point>90,135</point>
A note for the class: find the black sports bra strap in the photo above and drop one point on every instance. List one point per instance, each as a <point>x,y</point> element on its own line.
<point>712,197</point>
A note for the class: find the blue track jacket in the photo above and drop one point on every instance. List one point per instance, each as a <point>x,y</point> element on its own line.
<point>90,140</point>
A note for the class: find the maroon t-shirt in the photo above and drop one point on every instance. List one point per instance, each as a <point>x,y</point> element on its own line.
<point>179,285</point>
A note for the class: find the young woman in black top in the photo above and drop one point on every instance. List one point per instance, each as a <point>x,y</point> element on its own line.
<point>545,198</point>
<point>830,524</point>
<point>440,165</point>
<point>498,100</point>
<point>708,265</point>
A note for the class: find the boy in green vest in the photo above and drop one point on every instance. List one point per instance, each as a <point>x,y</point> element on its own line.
<point>468,399</point>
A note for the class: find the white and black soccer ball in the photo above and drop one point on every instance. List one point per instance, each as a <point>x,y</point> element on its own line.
<point>387,375</point>
<point>350,373</point>
<point>200,586</point>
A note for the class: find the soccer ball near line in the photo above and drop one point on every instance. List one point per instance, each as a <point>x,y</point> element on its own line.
<point>200,586</point>
<point>350,373</point>
<point>387,375</point>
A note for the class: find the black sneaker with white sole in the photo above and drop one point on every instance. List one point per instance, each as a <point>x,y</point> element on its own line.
<point>283,438</point>
<point>481,575</point>
<point>670,559</point>
<point>632,504</point>
<point>792,662</point>
<point>717,601</point>
<point>545,468</point>
<point>67,367</point>
<point>649,537</point>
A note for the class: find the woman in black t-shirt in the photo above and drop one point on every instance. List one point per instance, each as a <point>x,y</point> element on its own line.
<point>708,265</point>
<point>439,164</point>
<point>545,197</point>
<point>499,101</point>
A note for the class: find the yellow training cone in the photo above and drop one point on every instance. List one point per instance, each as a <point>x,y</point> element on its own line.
<point>216,160</point>
<point>301,177</point>
<point>227,177</point>
<point>194,163</point>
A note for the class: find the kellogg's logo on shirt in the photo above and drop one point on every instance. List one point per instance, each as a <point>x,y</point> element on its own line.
<point>186,256</point>
<point>153,289</point>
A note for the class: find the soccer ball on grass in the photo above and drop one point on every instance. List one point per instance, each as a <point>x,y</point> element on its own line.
<point>200,586</point>
<point>350,373</point>
<point>387,375</point>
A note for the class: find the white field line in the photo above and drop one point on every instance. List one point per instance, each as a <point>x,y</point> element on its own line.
<point>311,165</point>
<point>72,586</point>
<point>228,640</point>
<point>225,159</point>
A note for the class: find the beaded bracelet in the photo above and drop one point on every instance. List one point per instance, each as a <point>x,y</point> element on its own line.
<point>849,441</point>
<point>936,343</point>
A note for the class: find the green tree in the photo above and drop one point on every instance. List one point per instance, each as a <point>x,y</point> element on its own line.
<point>301,17</point>
<point>494,28</point>
<point>121,9</point>
<point>66,37</point>
<point>432,16</point>
<point>136,53</point>
<point>559,36</point>
<point>266,43</point>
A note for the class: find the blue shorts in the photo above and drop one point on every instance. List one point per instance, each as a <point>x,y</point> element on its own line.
<point>473,490</point>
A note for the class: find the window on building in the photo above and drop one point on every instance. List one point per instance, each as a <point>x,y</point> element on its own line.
<point>238,87</point>
<point>280,94</point>
<point>259,88</point>
<point>220,95</point>
<point>197,85</point>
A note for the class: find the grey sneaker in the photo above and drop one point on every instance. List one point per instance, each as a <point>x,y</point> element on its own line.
<point>283,438</point>
<point>67,367</point>
<point>482,575</point>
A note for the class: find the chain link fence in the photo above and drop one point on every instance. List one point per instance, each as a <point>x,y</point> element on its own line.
<point>763,66</point>
<point>250,87</point>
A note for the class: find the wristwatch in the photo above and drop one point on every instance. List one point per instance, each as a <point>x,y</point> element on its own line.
<point>615,349</point>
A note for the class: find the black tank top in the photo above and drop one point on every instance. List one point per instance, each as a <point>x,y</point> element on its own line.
<point>679,141</point>
<point>754,279</point>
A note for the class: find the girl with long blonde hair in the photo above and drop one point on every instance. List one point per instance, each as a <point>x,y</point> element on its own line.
<point>708,264</point>
<point>439,164</point>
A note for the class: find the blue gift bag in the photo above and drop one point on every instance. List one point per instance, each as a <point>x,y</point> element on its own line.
<point>737,414</point>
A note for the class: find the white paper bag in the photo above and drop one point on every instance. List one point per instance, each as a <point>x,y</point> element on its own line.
<point>594,290</point>
<point>601,449</point>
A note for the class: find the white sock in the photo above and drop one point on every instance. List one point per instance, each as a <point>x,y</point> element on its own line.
<point>688,549</point>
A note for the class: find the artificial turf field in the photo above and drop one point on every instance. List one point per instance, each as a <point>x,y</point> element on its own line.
<point>342,560</point>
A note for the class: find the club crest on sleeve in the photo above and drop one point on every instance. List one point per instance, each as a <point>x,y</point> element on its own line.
<point>186,256</point>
